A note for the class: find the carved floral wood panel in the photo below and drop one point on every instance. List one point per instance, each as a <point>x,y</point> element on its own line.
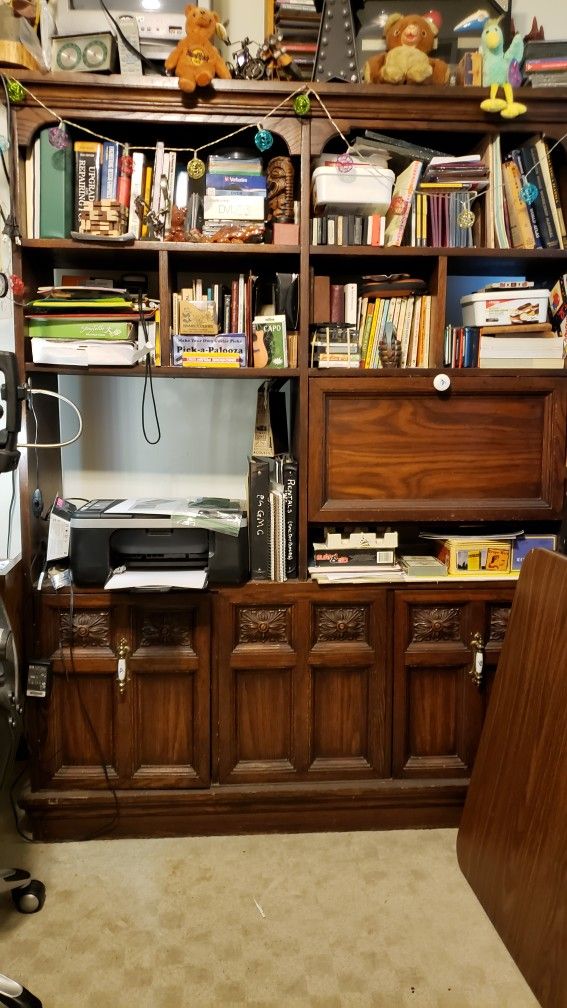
<point>171,628</point>
<point>259,625</point>
<point>433,623</point>
<point>498,623</point>
<point>340,623</point>
<point>90,628</point>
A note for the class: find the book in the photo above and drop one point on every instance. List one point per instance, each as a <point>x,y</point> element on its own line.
<point>520,225</point>
<point>398,212</point>
<point>259,517</point>
<point>269,341</point>
<point>135,213</point>
<point>81,329</point>
<point>422,566</point>
<point>542,151</point>
<point>288,477</point>
<point>124,177</point>
<point>277,531</point>
<point>87,162</point>
<point>55,188</point>
<point>542,206</point>
<point>109,169</point>
<point>211,346</point>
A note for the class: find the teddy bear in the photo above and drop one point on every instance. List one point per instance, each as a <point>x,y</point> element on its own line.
<point>195,59</point>
<point>409,39</point>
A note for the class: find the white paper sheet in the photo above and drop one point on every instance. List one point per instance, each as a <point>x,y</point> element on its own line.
<point>158,580</point>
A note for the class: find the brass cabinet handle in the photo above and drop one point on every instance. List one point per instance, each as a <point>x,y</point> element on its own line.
<point>122,668</point>
<point>477,647</point>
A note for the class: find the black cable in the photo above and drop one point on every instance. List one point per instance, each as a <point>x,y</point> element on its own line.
<point>115,818</point>
<point>147,378</point>
<point>11,513</point>
<point>131,48</point>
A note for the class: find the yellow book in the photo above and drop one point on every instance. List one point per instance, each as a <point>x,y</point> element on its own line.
<point>378,309</point>
<point>398,212</point>
<point>147,194</point>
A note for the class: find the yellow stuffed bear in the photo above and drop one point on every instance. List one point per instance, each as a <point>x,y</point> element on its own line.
<point>195,59</point>
<point>409,39</point>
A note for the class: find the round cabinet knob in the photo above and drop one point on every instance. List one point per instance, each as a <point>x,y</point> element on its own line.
<point>441,382</point>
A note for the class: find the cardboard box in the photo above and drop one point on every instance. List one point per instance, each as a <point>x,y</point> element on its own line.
<point>475,556</point>
<point>505,307</point>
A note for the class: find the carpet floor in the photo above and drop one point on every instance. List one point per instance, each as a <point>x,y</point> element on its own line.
<point>331,920</point>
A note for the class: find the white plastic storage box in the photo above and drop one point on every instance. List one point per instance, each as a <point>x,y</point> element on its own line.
<point>362,190</point>
<point>505,307</point>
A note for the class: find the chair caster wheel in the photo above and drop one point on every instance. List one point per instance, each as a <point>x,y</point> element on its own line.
<point>30,898</point>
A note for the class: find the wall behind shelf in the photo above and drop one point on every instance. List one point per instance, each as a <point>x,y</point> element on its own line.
<point>206,436</point>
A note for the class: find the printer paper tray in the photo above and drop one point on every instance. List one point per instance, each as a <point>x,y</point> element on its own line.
<point>159,580</point>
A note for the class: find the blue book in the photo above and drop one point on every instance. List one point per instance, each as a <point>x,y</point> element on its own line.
<point>235,183</point>
<point>109,169</point>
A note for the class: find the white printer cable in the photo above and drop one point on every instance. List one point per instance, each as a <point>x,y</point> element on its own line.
<point>55,444</point>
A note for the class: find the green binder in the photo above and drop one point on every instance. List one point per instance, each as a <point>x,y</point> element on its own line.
<point>55,188</point>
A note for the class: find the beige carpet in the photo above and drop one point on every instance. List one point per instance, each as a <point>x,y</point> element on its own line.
<point>373,920</point>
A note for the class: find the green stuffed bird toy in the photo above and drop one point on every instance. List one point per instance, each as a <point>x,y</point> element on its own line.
<point>497,69</point>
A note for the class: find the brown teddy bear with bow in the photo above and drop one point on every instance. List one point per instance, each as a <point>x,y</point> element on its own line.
<point>195,59</point>
<point>409,40</point>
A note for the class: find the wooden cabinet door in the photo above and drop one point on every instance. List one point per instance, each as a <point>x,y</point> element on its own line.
<point>302,688</point>
<point>395,449</point>
<point>446,649</point>
<point>150,730</point>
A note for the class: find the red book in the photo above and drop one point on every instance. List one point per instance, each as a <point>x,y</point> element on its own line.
<point>234,305</point>
<point>125,166</point>
<point>337,303</point>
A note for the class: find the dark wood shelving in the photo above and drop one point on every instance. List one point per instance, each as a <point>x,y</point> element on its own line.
<point>139,371</point>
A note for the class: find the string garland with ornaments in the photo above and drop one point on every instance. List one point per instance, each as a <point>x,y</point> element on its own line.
<point>300,99</point>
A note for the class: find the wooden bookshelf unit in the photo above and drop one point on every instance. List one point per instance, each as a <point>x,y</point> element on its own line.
<point>293,706</point>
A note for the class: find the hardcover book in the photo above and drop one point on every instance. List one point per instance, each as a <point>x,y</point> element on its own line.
<point>55,188</point>
<point>259,520</point>
<point>269,341</point>
<point>88,156</point>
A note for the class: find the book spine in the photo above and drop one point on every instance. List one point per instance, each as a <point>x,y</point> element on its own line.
<point>518,158</point>
<point>124,179</point>
<point>136,186</point>
<point>55,189</point>
<point>520,226</point>
<point>87,175</point>
<point>541,206</point>
<point>109,169</point>
<point>259,517</point>
<point>290,484</point>
<point>556,197</point>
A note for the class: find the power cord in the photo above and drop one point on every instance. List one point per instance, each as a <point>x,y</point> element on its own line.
<point>148,382</point>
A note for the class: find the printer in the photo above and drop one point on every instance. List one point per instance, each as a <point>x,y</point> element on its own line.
<point>104,538</point>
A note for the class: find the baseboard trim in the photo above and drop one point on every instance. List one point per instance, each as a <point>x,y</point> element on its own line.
<point>82,815</point>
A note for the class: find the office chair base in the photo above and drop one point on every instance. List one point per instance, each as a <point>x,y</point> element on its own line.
<point>13,995</point>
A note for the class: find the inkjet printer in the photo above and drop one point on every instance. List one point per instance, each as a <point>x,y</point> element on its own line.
<point>109,534</point>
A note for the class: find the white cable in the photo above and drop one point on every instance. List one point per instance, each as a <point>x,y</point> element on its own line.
<point>55,444</point>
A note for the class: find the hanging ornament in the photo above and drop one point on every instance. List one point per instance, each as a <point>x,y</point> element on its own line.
<point>263,139</point>
<point>17,284</point>
<point>529,193</point>
<point>302,105</point>
<point>466,218</point>
<point>196,168</point>
<point>344,163</point>
<point>4,143</point>
<point>58,137</point>
<point>16,91</point>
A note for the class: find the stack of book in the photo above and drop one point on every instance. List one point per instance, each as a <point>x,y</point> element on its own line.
<point>443,199</point>
<point>545,62</point>
<point>84,326</point>
<point>297,21</point>
<point>335,345</point>
<point>363,555</point>
<point>510,221</point>
<point>235,192</point>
